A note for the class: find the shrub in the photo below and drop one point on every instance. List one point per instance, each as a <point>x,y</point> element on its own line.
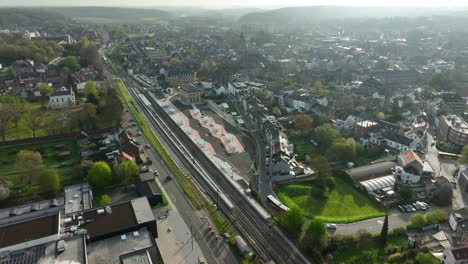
<point>395,258</point>
<point>103,200</point>
<point>435,217</point>
<point>390,249</point>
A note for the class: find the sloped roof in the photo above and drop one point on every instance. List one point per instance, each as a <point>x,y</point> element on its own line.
<point>409,157</point>
<point>372,171</point>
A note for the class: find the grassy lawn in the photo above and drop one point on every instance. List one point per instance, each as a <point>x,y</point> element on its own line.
<point>345,255</point>
<point>344,204</point>
<point>48,152</point>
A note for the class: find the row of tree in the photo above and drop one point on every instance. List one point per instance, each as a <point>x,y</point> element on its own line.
<point>101,175</point>
<point>14,47</point>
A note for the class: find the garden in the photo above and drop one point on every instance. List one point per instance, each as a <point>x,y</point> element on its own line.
<point>59,155</point>
<point>343,204</point>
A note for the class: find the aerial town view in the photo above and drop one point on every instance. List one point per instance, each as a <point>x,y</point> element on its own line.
<point>252,132</point>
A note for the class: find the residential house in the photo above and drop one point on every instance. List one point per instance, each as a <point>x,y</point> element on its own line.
<point>61,98</point>
<point>148,187</point>
<point>455,256</point>
<point>411,162</point>
<point>405,177</point>
<point>458,221</point>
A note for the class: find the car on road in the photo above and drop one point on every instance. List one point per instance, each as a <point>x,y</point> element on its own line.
<point>201,260</point>
<point>139,133</point>
<point>144,169</point>
<point>331,226</point>
<point>147,146</point>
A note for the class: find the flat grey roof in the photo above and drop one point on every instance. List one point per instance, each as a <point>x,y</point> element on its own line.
<point>142,209</point>
<point>111,249</point>
<point>29,211</point>
<point>78,197</point>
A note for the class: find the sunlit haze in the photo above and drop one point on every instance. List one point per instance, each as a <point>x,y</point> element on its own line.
<point>236,3</point>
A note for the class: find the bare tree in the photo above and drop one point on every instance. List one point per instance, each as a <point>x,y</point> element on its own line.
<point>30,164</point>
<point>6,119</point>
<point>34,119</point>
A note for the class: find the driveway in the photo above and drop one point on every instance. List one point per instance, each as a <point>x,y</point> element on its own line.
<point>374,225</point>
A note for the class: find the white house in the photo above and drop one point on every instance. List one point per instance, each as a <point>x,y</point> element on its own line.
<point>404,177</point>
<point>61,98</point>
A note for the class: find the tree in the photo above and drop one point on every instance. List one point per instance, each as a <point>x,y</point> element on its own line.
<point>4,189</point>
<point>315,237</point>
<point>276,111</point>
<point>30,164</point>
<point>325,135</point>
<point>49,181</point>
<point>33,119</point>
<point>70,83</point>
<point>417,221</point>
<point>292,221</point>
<point>127,171</point>
<point>303,123</point>
<point>425,258</point>
<point>207,68</point>
<point>323,168</point>
<point>44,89</point>
<point>174,62</point>
<point>464,155</point>
<point>318,86</point>
<point>104,200</point>
<point>435,216</point>
<point>91,98</point>
<point>87,116</point>
<point>90,88</point>
<point>7,113</point>
<point>384,232</point>
<point>71,62</point>
<point>100,175</point>
<point>343,150</point>
<point>17,104</point>
<point>12,73</point>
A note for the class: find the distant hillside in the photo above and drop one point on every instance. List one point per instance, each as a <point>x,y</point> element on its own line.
<point>114,13</point>
<point>30,17</point>
<point>314,13</point>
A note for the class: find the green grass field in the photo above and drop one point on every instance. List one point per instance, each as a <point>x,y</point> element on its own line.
<point>8,156</point>
<point>53,124</point>
<point>344,204</point>
<point>345,255</point>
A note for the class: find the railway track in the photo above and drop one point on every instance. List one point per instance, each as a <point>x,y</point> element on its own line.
<point>267,243</point>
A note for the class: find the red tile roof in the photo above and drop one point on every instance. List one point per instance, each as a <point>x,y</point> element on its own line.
<point>460,253</point>
<point>409,157</point>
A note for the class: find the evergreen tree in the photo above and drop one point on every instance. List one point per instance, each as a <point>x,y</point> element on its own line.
<point>384,232</point>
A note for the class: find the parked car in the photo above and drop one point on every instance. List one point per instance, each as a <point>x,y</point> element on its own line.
<point>201,260</point>
<point>412,208</point>
<point>331,226</point>
<point>155,173</point>
<point>415,206</point>
<point>147,146</point>
<point>144,169</point>
<point>408,209</point>
<point>401,209</point>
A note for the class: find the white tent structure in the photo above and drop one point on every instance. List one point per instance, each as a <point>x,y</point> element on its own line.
<point>378,183</point>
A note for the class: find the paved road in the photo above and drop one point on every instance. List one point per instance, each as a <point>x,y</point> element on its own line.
<point>446,168</point>
<point>374,225</point>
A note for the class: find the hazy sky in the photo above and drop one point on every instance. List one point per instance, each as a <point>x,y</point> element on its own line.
<point>233,3</point>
